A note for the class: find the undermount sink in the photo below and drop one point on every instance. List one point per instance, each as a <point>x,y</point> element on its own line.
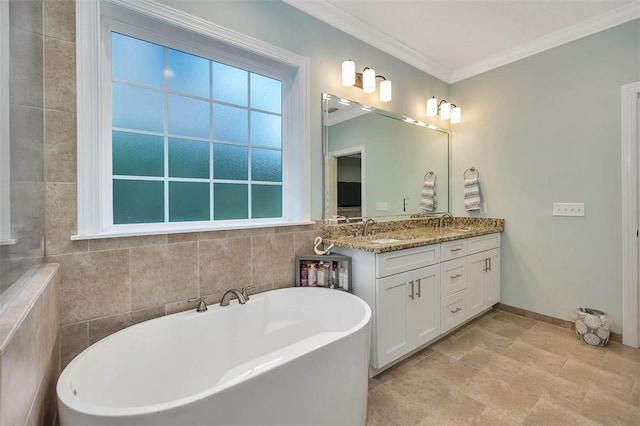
<point>385,240</point>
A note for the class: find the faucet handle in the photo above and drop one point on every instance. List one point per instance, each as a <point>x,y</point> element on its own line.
<point>244,292</point>
<point>202,306</point>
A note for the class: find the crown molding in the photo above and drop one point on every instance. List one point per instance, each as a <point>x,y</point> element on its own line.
<point>346,22</point>
<point>582,29</point>
<point>343,21</point>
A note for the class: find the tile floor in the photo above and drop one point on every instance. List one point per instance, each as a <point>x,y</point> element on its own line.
<point>505,369</point>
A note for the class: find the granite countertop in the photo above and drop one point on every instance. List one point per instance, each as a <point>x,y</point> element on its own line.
<point>410,233</point>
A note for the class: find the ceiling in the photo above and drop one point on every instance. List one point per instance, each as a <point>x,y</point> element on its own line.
<point>456,39</point>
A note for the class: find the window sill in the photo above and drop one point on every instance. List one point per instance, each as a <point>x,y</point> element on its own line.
<point>148,229</point>
<point>8,242</point>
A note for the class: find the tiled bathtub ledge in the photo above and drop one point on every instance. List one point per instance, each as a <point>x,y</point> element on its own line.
<point>412,233</point>
<point>14,315</point>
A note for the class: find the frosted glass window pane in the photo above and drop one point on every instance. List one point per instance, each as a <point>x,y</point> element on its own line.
<point>266,165</point>
<point>137,109</point>
<point>230,201</point>
<point>230,84</point>
<point>266,93</point>
<point>187,73</point>
<point>266,129</point>
<point>188,201</point>
<point>188,117</point>
<point>137,155</point>
<point>230,162</point>
<point>188,159</point>
<point>266,201</point>
<point>230,124</point>
<point>136,61</point>
<point>138,201</point>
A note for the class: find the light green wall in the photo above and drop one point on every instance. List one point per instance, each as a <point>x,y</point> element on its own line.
<point>546,129</point>
<point>284,26</point>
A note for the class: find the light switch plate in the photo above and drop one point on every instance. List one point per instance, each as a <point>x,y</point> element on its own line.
<point>382,207</point>
<point>568,209</point>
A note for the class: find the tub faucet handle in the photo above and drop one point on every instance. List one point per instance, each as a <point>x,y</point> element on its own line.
<point>202,306</point>
<point>244,291</point>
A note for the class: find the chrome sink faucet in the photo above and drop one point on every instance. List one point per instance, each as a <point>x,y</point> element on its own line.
<point>229,294</point>
<point>365,228</point>
<point>444,217</point>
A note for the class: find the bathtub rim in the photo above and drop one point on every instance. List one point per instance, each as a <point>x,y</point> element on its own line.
<point>66,395</point>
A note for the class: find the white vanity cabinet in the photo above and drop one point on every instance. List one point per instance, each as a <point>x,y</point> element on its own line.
<point>418,294</point>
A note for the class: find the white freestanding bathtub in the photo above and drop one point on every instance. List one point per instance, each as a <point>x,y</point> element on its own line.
<point>295,356</point>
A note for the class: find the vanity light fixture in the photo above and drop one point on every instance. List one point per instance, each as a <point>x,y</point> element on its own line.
<point>366,80</point>
<point>445,109</point>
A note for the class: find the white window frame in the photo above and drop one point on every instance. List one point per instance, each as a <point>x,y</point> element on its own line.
<point>94,111</point>
<point>5,135</point>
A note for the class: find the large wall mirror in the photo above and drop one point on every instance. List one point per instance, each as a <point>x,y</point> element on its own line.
<point>379,164</point>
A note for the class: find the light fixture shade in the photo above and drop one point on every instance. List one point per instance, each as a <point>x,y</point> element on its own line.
<point>445,111</point>
<point>455,115</point>
<point>348,73</point>
<point>385,91</point>
<point>369,80</point>
<point>432,107</point>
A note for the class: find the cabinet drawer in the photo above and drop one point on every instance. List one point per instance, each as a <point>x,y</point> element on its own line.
<point>406,260</point>
<point>453,311</point>
<point>453,276</point>
<point>453,249</point>
<point>482,243</point>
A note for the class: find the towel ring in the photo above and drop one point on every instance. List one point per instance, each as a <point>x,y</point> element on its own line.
<point>469,171</point>
<point>429,173</point>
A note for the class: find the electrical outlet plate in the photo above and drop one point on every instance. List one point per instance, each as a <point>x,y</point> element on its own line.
<point>382,207</point>
<point>568,209</point>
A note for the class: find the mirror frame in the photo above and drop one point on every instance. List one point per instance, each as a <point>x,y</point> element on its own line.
<point>326,176</point>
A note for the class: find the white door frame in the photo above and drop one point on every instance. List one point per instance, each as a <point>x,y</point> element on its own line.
<point>332,177</point>
<point>630,225</point>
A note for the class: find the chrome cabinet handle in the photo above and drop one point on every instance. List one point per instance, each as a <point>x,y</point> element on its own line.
<point>486,266</point>
<point>453,277</point>
<point>456,249</point>
<point>489,264</point>
<point>411,295</point>
<point>458,309</point>
<point>418,293</point>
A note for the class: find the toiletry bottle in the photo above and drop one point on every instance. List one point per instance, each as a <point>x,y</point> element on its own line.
<point>322,276</point>
<point>304,275</point>
<point>313,275</point>
<point>334,275</point>
<point>340,275</point>
<point>345,277</point>
<point>327,273</point>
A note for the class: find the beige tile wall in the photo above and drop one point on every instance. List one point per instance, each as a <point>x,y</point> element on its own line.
<point>29,352</point>
<point>109,284</point>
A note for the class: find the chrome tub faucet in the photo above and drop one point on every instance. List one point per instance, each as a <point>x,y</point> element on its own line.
<point>202,306</point>
<point>229,294</point>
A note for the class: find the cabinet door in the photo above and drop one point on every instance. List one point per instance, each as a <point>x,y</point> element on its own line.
<point>491,278</point>
<point>392,318</point>
<point>476,265</point>
<point>425,309</point>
